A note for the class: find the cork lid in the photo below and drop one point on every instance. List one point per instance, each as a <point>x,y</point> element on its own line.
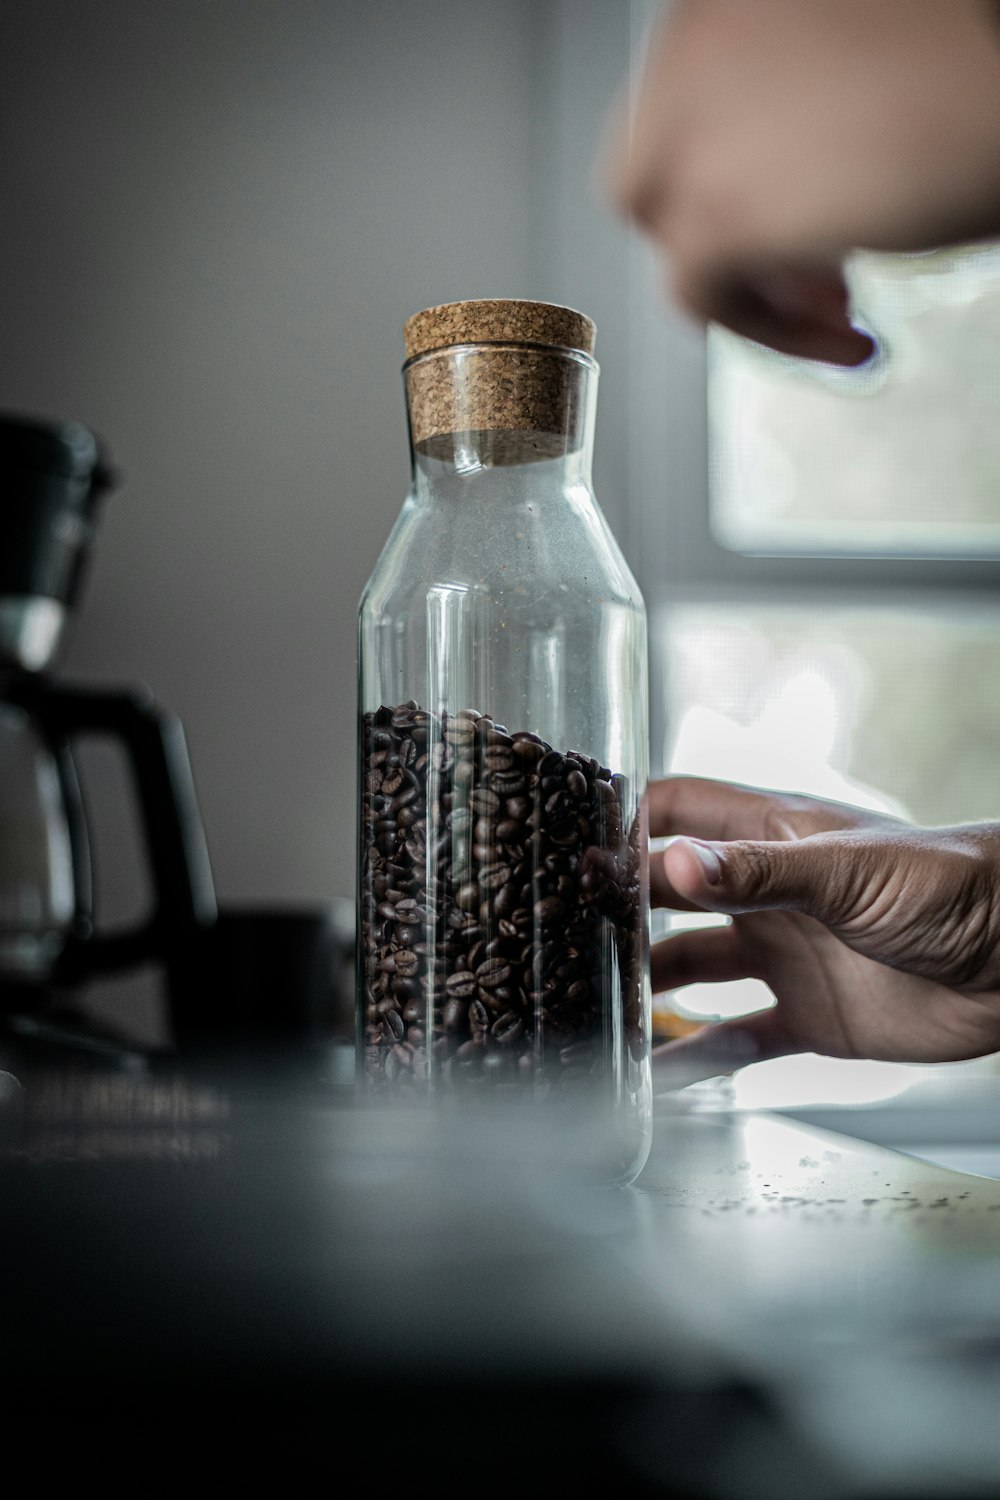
<point>497,320</point>
<point>496,378</point>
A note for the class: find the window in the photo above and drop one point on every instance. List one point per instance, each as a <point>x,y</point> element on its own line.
<point>899,458</point>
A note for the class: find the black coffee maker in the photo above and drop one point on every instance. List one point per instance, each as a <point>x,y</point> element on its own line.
<point>53,477</point>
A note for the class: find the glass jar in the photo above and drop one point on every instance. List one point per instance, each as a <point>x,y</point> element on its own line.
<point>503,743</point>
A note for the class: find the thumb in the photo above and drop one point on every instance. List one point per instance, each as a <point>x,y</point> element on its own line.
<point>829,876</point>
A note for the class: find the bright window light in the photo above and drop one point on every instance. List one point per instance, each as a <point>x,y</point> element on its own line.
<point>885,460</point>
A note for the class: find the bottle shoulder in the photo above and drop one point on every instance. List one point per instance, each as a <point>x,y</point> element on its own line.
<point>527,544</point>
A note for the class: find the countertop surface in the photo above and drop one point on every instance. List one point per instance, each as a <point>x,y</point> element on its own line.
<point>769,1305</point>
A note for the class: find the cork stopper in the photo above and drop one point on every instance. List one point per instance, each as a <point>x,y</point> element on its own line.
<point>498,320</point>
<point>498,379</point>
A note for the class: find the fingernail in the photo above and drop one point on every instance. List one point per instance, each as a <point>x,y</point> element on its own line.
<point>711,864</point>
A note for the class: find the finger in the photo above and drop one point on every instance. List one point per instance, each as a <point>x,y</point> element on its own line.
<point>705,956</point>
<point>661,892</point>
<point>800,311</point>
<point>830,876</point>
<point>721,1049</point>
<point>711,809</point>
<point>707,809</point>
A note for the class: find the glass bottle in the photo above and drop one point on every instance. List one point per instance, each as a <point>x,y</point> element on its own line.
<point>503,742</point>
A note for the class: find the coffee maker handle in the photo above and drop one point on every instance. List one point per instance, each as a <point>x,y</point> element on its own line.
<point>156,752</point>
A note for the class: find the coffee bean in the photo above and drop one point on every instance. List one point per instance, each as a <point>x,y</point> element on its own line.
<point>442,757</point>
<point>522,951</point>
<point>493,972</point>
<point>479,1017</point>
<point>507,1029</point>
<point>507,783</point>
<point>393,1023</point>
<point>548,910</point>
<point>454,1015</point>
<point>467,896</point>
<point>498,758</point>
<point>528,750</point>
<point>576,785</point>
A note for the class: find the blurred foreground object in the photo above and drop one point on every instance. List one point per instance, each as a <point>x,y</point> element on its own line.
<point>770,138</point>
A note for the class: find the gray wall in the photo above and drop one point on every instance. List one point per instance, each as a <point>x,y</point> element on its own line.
<point>217,214</point>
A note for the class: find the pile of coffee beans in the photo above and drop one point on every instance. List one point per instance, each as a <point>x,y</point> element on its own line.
<point>501,906</point>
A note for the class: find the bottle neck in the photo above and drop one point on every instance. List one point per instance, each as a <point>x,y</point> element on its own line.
<point>476,409</point>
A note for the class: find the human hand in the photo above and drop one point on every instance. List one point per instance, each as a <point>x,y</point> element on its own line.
<point>877,939</point>
<point>772,136</point>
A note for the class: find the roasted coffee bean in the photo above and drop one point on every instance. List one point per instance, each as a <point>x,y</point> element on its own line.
<point>454,1015</point>
<point>528,750</point>
<point>505,899</point>
<point>464,772</point>
<point>467,896</point>
<point>442,757</point>
<point>507,1029</point>
<point>507,783</point>
<point>576,784</point>
<point>479,1017</point>
<point>493,972</point>
<point>408,793</point>
<point>461,986</point>
<point>518,808</point>
<point>393,1022</point>
<point>548,910</point>
<point>498,758</point>
<point>527,942</point>
<point>558,807</point>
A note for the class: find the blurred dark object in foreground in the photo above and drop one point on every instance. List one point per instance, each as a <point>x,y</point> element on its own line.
<point>226,1276</point>
<point>229,1272</point>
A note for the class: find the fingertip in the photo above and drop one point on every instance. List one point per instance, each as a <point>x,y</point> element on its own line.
<point>693,868</point>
